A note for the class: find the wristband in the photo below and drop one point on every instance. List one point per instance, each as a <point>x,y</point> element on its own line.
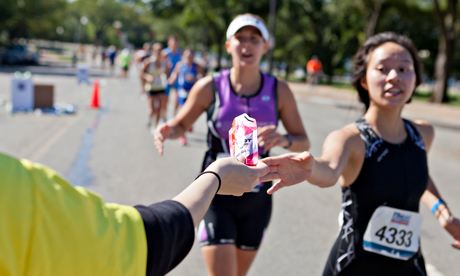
<point>436,205</point>
<point>214,173</point>
<point>289,138</point>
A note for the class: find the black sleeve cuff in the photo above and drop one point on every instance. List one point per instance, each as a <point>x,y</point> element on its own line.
<point>170,234</point>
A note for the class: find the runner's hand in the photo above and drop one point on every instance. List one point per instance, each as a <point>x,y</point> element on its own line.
<point>237,178</point>
<point>269,138</point>
<point>452,225</point>
<point>162,132</point>
<point>148,78</point>
<point>290,169</point>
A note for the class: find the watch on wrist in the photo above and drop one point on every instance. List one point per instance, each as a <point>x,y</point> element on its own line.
<point>289,139</point>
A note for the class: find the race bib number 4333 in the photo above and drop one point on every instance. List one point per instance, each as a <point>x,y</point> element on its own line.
<point>393,232</point>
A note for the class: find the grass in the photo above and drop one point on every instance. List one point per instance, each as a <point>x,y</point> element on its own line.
<point>425,95</point>
<point>420,94</point>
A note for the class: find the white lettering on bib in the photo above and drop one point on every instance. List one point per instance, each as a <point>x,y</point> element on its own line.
<point>393,233</point>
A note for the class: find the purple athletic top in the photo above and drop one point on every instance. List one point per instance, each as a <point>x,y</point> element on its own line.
<point>262,106</point>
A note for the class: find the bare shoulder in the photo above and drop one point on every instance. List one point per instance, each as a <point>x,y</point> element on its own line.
<point>346,140</point>
<point>286,100</point>
<point>204,85</point>
<point>202,92</point>
<point>283,87</point>
<point>348,134</point>
<point>353,152</point>
<point>423,126</point>
<point>426,130</point>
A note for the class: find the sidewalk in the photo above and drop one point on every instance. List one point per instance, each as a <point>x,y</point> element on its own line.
<point>437,114</point>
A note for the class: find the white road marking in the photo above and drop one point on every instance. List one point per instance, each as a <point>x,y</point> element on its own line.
<point>431,270</point>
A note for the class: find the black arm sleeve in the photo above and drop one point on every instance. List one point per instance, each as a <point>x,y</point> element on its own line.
<point>170,235</point>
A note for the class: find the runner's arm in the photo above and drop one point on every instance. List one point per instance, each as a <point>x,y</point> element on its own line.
<point>296,138</point>
<point>337,161</point>
<point>174,74</point>
<point>432,197</point>
<point>144,75</point>
<point>198,101</point>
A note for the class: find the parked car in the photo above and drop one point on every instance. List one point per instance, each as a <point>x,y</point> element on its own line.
<point>18,54</point>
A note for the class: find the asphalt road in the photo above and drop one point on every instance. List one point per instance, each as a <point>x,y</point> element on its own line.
<point>110,151</point>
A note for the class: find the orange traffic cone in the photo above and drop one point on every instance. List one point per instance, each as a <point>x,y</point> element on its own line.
<point>95,98</point>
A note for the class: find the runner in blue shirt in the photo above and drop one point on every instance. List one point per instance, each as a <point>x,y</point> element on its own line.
<point>173,55</point>
<point>186,72</point>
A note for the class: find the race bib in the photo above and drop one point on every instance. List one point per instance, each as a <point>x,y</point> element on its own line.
<point>393,233</point>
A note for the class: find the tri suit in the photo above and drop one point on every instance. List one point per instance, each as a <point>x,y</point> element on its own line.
<point>392,175</point>
<point>159,80</point>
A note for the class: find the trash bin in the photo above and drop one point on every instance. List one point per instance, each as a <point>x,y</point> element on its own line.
<point>22,92</point>
<point>43,95</point>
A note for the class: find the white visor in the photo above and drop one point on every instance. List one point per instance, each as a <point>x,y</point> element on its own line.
<point>247,20</point>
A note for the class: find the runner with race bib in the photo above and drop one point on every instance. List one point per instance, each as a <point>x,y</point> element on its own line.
<point>381,163</point>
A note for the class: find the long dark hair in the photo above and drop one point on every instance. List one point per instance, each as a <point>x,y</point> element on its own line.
<point>362,57</point>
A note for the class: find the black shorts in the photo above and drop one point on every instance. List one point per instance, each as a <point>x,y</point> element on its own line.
<point>156,92</point>
<point>237,220</point>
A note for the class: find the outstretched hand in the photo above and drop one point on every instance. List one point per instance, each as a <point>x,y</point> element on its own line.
<point>162,132</point>
<point>268,137</point>
<point>237,178</point>
<point>452,225</point>
<point>290,169</point>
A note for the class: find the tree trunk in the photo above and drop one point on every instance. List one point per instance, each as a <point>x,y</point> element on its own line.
<point>374,18</point>
<point>439,94</point>
<point>286,74</point>
<point>219,57</point>
<point>272,27</point>
<point>444,60</point>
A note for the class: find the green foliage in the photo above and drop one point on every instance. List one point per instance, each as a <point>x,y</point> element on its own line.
<point>329,29</point>
<point>27,18</point>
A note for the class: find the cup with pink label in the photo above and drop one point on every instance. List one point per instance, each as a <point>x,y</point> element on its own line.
<point>243,139</point>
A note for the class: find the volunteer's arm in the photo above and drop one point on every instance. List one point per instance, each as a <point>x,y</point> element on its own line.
<point>235,178</point>
<point>169,225</point>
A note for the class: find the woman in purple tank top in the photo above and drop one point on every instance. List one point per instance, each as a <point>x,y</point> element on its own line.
<point>233,228</point>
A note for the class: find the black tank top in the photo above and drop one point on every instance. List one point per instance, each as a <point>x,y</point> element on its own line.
<point>393,175</point>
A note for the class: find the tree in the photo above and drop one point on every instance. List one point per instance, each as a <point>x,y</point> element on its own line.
<point>190,18</point>
<point>328,29</point>
<point>446,44</point>
<point>26,18</point>
<point>374,17</point>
